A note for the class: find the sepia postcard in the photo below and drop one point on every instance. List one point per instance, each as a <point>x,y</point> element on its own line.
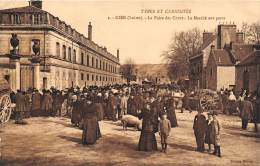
<point>129,82</point>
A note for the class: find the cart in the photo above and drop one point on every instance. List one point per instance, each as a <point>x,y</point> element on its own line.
<point>5,101</point>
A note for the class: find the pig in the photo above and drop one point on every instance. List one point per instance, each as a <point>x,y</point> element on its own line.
<point>131,120</point>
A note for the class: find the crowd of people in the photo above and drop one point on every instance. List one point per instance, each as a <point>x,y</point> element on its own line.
<point>155,105</point>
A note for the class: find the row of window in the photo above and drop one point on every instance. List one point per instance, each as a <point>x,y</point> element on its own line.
<point>34,18</point>
<point>90,77</point>
<point>99,64</point>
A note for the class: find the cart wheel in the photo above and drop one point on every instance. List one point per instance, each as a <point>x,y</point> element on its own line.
<point>5,108</point>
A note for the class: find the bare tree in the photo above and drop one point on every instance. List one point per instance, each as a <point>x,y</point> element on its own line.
<point>251,31</point>
<point>183,45</point>
<point>128,70</point>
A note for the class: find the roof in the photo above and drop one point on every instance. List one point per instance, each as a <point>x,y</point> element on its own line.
<point>241,51</point>
<point>208,42</point>
<point>222,57</point>
<point>26,9</point>
<point>204,45</point>
<point>251,59</point>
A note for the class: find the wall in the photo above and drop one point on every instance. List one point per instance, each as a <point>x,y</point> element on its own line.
<point>252,71</point>
<point>225,76</point>
<point>61,72</point>
<point>211,74</point>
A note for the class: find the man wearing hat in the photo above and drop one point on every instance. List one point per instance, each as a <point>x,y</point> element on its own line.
<point>199,127</point>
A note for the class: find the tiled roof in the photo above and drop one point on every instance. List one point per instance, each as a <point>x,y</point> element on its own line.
<point>241,51</point>
<point>251,59</point>
<point>222,57</point>
<point>26,9</point>
<point>208,42</point>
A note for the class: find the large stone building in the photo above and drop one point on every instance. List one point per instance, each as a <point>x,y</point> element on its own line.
<point>214,67</point>
<point>67,57</point>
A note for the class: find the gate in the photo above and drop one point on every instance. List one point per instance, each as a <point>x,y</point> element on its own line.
<point>26,77</point>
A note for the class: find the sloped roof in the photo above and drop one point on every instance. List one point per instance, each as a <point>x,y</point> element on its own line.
<point>241,51</point>
<point>251,59</point>
<point>209,40</point>
<point>26,9</point>
<point>222,57</point>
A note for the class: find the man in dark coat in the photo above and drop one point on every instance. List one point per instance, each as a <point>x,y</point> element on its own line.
<point>58,99</point>
<point>246,113</point>
<point>156,108</point>
<point>46,105</point>
<point>171,115</point>
<point>147,141</point>
<point>76,111</point>
<point>36,103</point>
<point>91,130</point>
<point>185,102</point>
<point>20,107</point>
<point>27,98</point>
<point>199,127</point>
<point>111,107</point>
<point>132,106</point>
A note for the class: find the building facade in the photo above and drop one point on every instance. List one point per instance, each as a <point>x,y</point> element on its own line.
<point>213,67</point>
<point>67,58</point>
<point>248,71</point>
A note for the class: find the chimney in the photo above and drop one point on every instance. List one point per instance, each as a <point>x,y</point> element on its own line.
<point>117,53</point>
<point>207,35</point>
<point>89,31</point>
<point>36,3</point>
<point>105,48</point>
<point>240,37</point>
<point>226,34</point>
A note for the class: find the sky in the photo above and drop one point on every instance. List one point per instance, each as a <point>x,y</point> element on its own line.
<point>144,40</point>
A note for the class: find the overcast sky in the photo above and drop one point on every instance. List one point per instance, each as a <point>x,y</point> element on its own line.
<point>143,40</point>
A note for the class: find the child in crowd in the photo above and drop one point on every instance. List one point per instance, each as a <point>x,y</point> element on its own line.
<point>215,134</point>
<point>164,131</point>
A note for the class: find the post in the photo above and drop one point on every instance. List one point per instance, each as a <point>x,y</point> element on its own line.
<point>36,71</point>
<point>15,77</point>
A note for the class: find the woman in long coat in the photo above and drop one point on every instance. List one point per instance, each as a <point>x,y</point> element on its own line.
<point>147,141</point>
<point>91,131</point>
<point>171,115</point>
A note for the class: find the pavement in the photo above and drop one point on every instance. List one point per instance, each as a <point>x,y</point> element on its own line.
<point>53,141</point>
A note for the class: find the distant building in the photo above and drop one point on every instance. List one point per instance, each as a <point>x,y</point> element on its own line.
<point>214,66</point>
<point>67,58</point>
<point>156,73</point>
<point>248,71</point>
